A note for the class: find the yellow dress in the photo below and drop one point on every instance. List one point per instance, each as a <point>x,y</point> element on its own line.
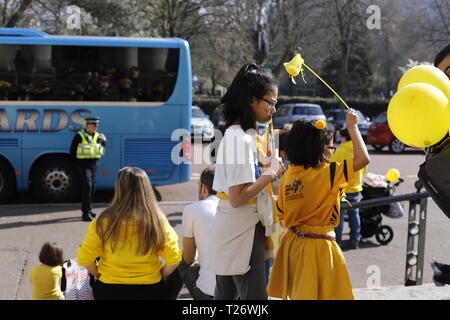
<point>311,269</point>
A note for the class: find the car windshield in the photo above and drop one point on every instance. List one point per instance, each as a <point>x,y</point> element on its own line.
<point>198,113</point>
<point>309,111</point>
<point>381,118</point>
<point>282,111</point>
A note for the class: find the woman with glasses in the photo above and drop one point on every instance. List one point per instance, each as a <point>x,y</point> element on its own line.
<point>309,265</point>
<point>238,237</point>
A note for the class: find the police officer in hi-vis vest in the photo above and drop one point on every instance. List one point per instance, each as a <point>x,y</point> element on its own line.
<point>88,146</point>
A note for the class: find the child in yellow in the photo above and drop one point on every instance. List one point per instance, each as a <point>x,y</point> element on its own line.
<point>352,192</point>
<point>309,265</point>
<point>45,278</point>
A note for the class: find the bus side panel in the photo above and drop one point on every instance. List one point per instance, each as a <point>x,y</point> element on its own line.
<point>10,146</point>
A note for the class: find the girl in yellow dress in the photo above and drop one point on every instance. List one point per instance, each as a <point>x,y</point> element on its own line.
<point>309,265</point>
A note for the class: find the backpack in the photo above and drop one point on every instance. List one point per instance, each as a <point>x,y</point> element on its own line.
<point>434,174</point>
<point>76,281</point>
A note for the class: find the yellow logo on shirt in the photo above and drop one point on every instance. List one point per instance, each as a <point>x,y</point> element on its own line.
<point>293,191</point>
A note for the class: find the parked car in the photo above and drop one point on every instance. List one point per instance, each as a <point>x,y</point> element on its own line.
<point>289,113</point>
<point>201,126</point>
<point>337,118</point>
<point>380,135</point>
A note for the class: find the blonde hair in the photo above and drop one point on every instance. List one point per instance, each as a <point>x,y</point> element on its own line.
<point>134,205</point>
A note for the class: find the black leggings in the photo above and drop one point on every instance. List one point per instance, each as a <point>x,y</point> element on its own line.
<point>106,291</point>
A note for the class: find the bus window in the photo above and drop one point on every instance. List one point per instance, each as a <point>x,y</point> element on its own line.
<point>87,73</point>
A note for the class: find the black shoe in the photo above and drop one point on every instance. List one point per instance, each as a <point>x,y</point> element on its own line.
<point>86,217</point>
<point>93,215</point>
<point>354,245</point>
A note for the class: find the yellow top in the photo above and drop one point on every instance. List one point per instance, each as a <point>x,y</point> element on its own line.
<point>345,152</point>
<point>124,266</point>
<point>45,282</point>
<point>307,196</point>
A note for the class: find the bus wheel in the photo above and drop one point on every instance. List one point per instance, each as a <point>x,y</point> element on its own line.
<point>7,181</point>
<point>56,180</point>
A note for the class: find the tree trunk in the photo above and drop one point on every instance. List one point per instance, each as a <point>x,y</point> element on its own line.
<point>14,19</point>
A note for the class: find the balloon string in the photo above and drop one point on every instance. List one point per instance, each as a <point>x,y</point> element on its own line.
<point>326,85</point>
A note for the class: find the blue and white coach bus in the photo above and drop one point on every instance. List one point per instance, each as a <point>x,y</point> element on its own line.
<point>141,88</point>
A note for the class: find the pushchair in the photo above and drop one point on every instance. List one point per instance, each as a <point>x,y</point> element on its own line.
<point>372,218</point>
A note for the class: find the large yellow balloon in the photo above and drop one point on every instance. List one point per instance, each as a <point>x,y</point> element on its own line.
<point>426,74</point>
<point>392,175</point>
<point>417,115</point>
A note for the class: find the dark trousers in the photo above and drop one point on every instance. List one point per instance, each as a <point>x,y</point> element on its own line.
<point>251,285</point>
<point>87,188</point>
<point>106,291</point>
<point>189,274</point>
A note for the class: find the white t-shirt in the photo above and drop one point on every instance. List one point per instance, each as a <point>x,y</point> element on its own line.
<point>233,229</point>
<point>237,159</point>
<point>197,222</point>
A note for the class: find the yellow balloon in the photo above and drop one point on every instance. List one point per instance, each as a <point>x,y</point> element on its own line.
<point>426,74</point>
<point>417,115</point>
<point>392,175</point>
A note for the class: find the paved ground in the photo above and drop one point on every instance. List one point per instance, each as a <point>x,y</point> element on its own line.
<point>24,228</point>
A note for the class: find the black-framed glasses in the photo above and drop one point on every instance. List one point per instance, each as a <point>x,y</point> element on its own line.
<point>272,103</point>
<point>447,72</point>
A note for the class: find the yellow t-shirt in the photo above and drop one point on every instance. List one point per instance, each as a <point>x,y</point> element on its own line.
<point>124,266</point>
<point>306,196</point>
<point>45,282</point>
<point>345,152</point>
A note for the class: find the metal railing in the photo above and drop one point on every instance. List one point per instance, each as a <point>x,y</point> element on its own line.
<point>415,246</point>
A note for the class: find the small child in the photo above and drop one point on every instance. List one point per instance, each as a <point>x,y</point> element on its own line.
<point>309,265</point>
<point>46,277</point>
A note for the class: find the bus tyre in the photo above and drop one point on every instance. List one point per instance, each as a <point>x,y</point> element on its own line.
<point>56,180</point>
<point>7,181</point>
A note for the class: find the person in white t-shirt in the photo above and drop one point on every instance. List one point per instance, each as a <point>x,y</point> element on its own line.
<point>243,220</point>
<point>196,225</point>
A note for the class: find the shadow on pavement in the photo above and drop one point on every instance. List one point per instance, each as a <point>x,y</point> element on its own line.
<point>38,223</point>
<point>11,211</point>
<point>363,244</point>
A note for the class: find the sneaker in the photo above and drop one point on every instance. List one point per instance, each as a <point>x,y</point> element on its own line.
<point>435,266</point>
<point>437,283</point>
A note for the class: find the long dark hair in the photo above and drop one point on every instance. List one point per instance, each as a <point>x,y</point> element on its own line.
<point>250,81</point>
<point>305,143</point>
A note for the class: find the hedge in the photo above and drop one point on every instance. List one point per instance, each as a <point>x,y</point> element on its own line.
<point>370,108</point>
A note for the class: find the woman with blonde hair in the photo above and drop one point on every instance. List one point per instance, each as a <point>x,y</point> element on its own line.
<point>136,245</point>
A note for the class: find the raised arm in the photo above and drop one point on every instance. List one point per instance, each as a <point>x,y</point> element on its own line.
<point>361,155</point>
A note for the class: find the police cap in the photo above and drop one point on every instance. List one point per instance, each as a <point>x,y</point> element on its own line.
<point>95,120</point>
